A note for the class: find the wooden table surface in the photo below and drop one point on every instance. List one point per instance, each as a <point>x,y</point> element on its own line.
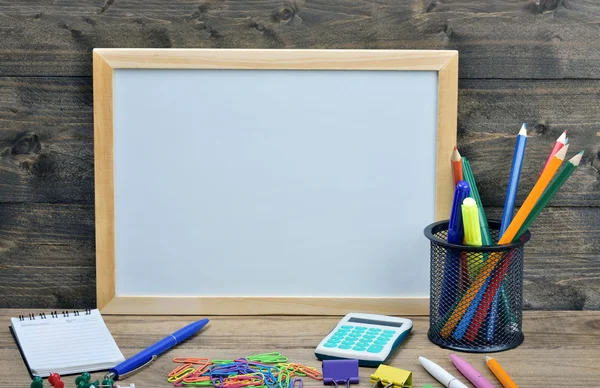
<point>561,348</point>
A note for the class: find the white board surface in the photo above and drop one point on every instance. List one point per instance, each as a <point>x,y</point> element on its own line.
<point>273,183</point>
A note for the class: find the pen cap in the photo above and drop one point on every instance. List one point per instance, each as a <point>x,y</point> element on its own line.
<point>470,214</point>
<point>455,227</point>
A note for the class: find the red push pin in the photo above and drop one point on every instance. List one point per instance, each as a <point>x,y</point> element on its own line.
<point>55,380</point>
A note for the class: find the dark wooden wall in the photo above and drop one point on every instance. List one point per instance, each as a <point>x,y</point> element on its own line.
<point>520,61</point>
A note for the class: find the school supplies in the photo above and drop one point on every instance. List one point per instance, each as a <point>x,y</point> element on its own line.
<point>440,374</point>
<point>37,382</point>
<point>369,338</point>
<point>470,373</point>
<point>55,381</point>
<point>470,215</point>
<point>551,191</point>
<point>340,372</point>
<point>153,351</point>
<point>65,342</point>
<point>390,377</point>
<point>513,180</point>
<point>560,143</point>
<point>500,373</point>
<point>509,235</point>
<point>457,171</point>
<point>455,236</point>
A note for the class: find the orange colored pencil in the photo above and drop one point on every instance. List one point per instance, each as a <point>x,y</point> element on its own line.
<point>506,238</point>
<point>456,162</point>
<point>500,373</point>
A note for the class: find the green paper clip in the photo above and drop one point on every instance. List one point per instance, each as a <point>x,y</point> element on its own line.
<point>267,358</point>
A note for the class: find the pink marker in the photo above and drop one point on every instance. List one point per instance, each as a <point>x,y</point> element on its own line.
<point>470,373</point>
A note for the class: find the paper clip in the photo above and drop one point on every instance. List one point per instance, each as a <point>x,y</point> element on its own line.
<point>202,369</point>
<point>268,358</point>
<point>311,372</point>
<point>192,360</point>
<point>195,378</point>
<point>179,369</point>
<point>181,374</point>
<point>299,385</point>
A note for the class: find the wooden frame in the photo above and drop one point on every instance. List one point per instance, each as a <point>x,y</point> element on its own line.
<point>445,63</point>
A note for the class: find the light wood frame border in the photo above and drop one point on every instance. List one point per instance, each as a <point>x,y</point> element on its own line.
<point>445,63</point>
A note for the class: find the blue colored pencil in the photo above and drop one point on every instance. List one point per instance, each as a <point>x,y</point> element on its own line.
<point>455,236</point>
<point>507,215</point>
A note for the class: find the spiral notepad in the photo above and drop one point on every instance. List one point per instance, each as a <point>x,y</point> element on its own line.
<point>65,342</point>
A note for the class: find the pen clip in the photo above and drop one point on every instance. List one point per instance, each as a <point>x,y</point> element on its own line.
<point>138,368</point>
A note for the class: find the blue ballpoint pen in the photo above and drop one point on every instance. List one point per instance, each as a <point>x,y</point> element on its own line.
<point>153,351</point>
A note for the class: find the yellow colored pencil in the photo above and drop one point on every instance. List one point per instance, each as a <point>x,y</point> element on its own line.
<point>506,238</point>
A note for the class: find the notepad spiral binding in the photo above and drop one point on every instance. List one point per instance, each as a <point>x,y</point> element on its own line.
<point>476,292</point>
<point>54,314</point>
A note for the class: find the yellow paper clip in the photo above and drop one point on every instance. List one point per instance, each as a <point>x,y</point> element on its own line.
<point>390,377</point>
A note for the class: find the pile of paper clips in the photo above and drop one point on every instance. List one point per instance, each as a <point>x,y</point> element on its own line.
<point>270,370</point>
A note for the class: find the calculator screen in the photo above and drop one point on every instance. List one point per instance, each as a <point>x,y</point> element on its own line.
<point>374,322</point>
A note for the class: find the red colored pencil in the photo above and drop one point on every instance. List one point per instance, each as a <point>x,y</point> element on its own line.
<point>560,143</point>
<point>456,162</point>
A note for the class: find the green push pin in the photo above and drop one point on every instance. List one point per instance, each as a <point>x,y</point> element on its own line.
<point>84,378</point>
<point>88,384</point>
<point>107,382</point>
<point>37,382</point>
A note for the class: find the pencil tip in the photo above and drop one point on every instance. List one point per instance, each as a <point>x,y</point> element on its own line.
<point>455,155</point>
<point>562,152</point>
<point>487,358</point>
<point>576,159</point>
<point>523,130</point>
<point>562,137</point>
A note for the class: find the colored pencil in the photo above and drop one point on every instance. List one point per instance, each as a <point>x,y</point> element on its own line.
<point>508,237</point>
<point>560,143</point>
<point>457,169</point>
<point>509,208</point>
<point>558,181</point>
<point>513,180</point>
<point>500,373</point>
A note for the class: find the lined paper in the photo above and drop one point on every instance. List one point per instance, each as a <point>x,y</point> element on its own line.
<point>67,344</point>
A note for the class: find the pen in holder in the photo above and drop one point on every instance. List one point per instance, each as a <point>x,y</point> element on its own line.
<point>464,283</point>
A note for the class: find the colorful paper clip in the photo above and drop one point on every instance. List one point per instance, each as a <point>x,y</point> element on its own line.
<point>192,360</point>
<point>390,377</point>
<point>268,358</point>
<point>179,373</point>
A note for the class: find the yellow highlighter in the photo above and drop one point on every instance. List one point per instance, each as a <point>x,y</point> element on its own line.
<point>470,215</point>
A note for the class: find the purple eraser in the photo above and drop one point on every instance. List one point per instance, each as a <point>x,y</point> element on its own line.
<point>340,371</point>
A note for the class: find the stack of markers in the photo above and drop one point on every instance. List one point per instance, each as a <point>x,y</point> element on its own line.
<point>269,370</point>
<point>474,289</point>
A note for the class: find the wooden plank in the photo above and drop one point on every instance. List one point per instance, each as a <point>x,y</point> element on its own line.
<point>521,39</point>
<point>49,124</point>
<point>46,140</point>
<point>551,335</point>
<point>490,113</point>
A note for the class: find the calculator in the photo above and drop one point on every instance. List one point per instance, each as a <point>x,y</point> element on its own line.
<point>369,338</point>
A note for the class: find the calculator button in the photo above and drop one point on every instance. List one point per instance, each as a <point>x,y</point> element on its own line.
<point>374,349</point>
<point>348,342</point>
<point>346,327</point>
<point>360,328</point>
<point>385,337</point>
<point>359,348</point>
<point>363,344</point>
<point>345,347</point>
<point>391,332</point>
<point>374,330</point>
<point>380,342</point>
<point>338,335</point>
<point>369,336</point>
<point>330,344</point>
<point>353,336</point>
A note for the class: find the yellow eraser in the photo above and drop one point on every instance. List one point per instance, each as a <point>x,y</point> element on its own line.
<point>390,375</point>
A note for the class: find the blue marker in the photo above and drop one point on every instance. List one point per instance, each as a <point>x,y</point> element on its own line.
<point>455,236</point>
<point>151,353</point>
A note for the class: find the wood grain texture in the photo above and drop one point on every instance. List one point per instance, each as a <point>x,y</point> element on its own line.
<point>520,39</point>
<point>560,350</point>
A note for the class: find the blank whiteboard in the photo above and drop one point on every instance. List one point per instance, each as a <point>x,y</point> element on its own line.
<point>270,190</point>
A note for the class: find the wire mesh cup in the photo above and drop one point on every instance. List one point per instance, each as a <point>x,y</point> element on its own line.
<point>476,297</point>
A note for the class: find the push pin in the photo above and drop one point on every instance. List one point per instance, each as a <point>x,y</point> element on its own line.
<point>107,382</point>
<point>37,382</point>
<point>340,372</point>
<point>55,380</point>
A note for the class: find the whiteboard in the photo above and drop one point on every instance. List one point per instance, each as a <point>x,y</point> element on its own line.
<point>273,183</point>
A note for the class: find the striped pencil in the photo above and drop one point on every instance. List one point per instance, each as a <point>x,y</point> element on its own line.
<point>508,237</point>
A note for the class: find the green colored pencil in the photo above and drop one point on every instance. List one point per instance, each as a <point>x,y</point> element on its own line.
<point>549,193</point>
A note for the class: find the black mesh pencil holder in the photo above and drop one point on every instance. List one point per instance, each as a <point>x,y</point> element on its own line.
<point>476,301</point>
